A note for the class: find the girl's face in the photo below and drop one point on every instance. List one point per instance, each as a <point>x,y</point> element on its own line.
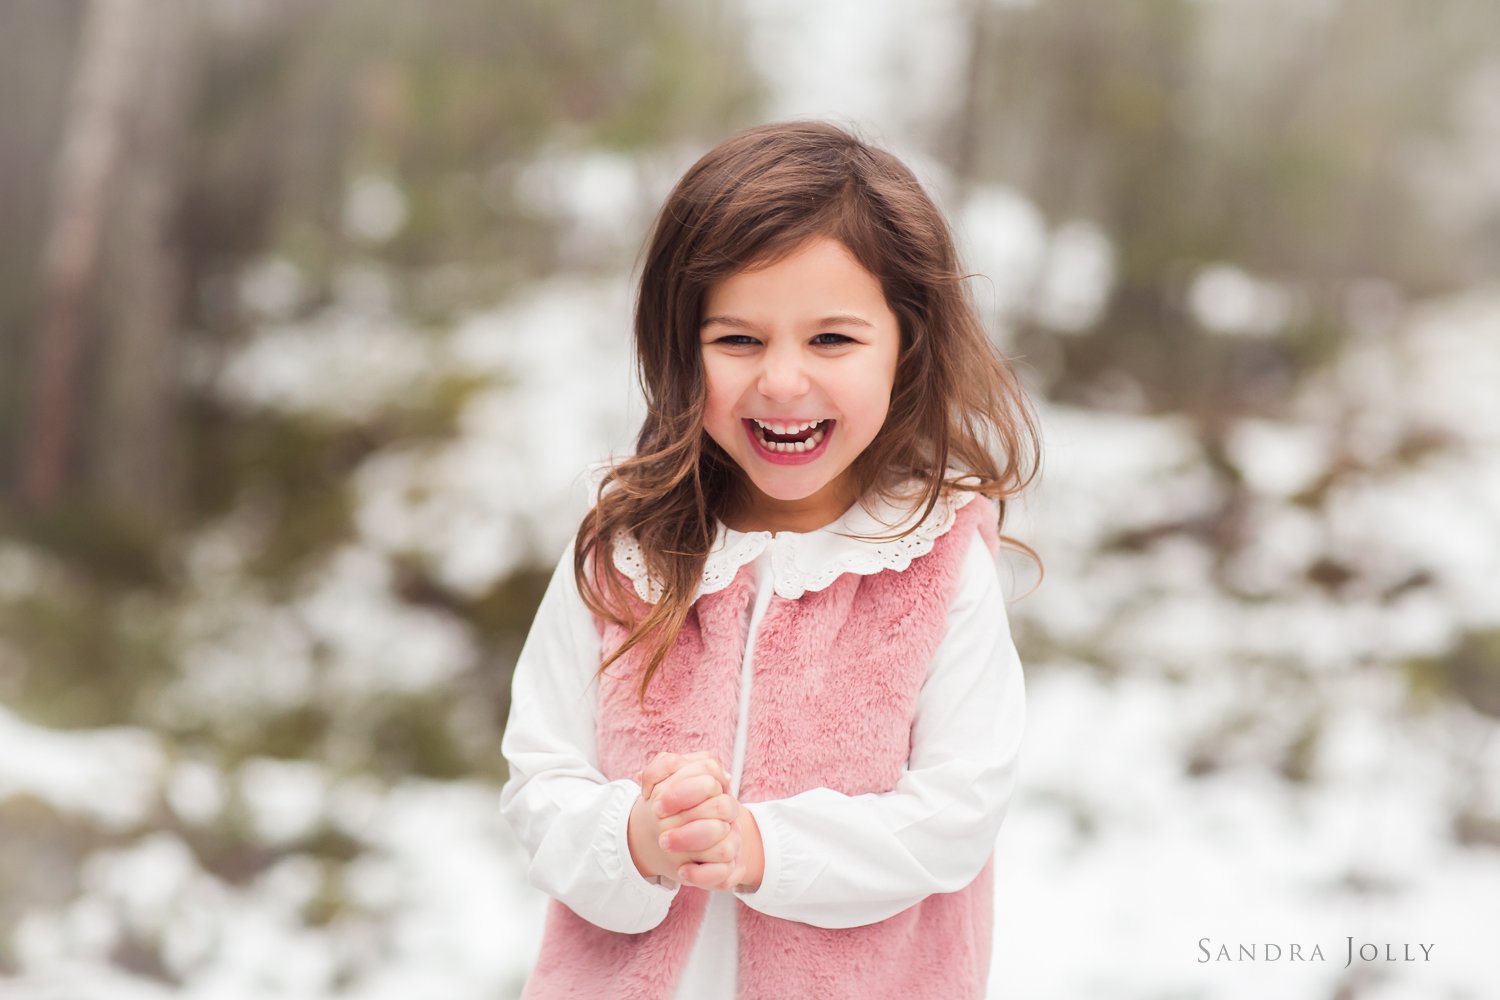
<point>808,340</point>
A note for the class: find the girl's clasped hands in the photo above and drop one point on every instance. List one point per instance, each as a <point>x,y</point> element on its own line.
<point>687,827</point>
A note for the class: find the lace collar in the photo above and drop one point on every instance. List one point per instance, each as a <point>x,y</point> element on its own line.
<point>803,561</point>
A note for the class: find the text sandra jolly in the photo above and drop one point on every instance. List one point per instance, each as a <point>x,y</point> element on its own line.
<point>1294,951</point>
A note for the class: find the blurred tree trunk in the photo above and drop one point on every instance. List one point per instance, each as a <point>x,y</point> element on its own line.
<point>105,360</point>
<point>38,43</point>
<point>963,156</point>
<point>133,461</point>
<point>108,64</point>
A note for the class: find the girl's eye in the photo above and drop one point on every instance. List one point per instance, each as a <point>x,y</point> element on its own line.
<point>744,340</point>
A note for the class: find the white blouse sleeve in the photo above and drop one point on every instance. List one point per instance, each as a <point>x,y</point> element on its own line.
<point>572,821</point>
<point>834,860</point>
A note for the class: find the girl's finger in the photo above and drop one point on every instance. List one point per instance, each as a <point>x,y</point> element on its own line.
<point>719,773</point>
<point>710,768</point>
<point>723,807</point>
<point>657,769</point>
<point>736,876</point>
<point>666,763</point>
<point>704,876</point>
<point>695,837</point>
<point>726,850</point>
<point>684,791</point>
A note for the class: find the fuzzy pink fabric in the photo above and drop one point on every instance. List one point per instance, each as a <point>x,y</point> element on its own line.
<point>836,679</point>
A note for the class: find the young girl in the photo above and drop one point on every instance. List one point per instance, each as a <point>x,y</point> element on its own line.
<point>765,726</point>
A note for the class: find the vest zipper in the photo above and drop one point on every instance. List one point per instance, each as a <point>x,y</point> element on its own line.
<point>764,588</point>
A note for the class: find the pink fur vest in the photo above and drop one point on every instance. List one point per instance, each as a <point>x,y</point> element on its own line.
<point>837,673</point>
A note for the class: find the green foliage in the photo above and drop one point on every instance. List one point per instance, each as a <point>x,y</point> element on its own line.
<point>1470,670</point>
<point>1299,755</point>
<point>504,612</point>
<point>297,733</point>
<point>330,900</point>
<point>89,656</point>
<point>110,550</point>
<point>413,735</point>
<point>297,468</point>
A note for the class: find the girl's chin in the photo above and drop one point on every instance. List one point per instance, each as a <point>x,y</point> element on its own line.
<point>790,485</point>
<point>784,495</point>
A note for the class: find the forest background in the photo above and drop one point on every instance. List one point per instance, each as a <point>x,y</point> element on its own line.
<point>312,313</point>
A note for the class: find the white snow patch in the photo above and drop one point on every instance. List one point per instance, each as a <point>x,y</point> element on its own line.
<point>1077,277</point>
<point>1226,299</point>
<point>285,798</point>
<point>109,774</point>
<point>374,208</point>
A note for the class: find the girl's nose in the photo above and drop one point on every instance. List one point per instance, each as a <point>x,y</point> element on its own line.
<point>782,376</point>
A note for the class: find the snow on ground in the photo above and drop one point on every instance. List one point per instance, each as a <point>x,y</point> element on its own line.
<point>1126,871</point>
<point>1121,876</point>
<point>432,907</point>
<point>1151,824</point>
<point>107,775</point>
<point>1121,870</point>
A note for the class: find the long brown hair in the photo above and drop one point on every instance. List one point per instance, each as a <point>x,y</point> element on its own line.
<point>749,202</point>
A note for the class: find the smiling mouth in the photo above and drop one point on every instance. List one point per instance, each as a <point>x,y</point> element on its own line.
<point>791,444</point>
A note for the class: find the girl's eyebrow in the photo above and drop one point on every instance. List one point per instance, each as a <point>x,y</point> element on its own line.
<point>839,318</point>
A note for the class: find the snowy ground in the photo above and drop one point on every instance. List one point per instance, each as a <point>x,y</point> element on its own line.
<point>1121,871</point>
<point>1154,822</point>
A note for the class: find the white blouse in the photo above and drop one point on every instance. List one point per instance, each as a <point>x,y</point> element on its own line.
<point>831,860</point>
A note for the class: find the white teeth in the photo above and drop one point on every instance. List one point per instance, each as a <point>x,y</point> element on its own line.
<point>794,447</point>
<point>786,428</point>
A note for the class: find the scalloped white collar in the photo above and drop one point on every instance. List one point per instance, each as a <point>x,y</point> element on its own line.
<point>801,561</point>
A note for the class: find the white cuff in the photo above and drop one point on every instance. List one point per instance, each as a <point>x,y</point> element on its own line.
<point>772,891</point>
<point>618,863</point>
